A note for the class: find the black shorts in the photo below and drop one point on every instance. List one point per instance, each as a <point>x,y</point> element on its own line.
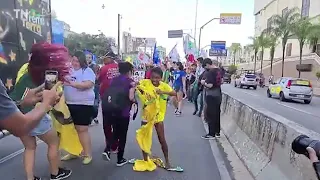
<point>81,114</point>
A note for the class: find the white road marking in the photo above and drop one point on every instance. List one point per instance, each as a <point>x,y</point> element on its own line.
<point>224,173</point>
<point>251,94</point>
<point>14,154</point>
<point>303,111</point>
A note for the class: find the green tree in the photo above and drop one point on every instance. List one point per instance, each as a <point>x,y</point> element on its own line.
<point>314,37</point>
<point>232,69</point>
<point>301,29</point>
<point>264,42</point>
<point>97,44</point>
<point>272,46</point>
<point>318,75</point>
<point>235,48</point>
<point>283,25</point>
<point>255,46</point>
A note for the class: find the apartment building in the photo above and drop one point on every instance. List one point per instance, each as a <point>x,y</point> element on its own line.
<point>265,9</point>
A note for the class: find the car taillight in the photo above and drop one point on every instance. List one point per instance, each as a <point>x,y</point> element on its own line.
<point>289,84</point>
<point>310,85</point>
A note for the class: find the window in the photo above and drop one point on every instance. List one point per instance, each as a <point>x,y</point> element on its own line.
<point>289,49</point>
<point>284,11</point>
<point>305,8</point>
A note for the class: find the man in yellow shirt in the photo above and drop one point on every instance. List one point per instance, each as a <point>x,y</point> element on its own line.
<point>164,90</point>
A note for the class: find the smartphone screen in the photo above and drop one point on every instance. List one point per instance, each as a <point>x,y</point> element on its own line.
<point>51,78</point>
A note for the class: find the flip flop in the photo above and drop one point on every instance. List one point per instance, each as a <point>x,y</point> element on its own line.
<point>132,161</point>
<point>175,169</point>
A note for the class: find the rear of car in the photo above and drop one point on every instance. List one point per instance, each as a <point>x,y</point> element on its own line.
<point>249,80</point>
<point>298,89</point>
<point>227,78</point>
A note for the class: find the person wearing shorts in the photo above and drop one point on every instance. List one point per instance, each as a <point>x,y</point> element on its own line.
<point>165,91</point>
<point>80,96</point>
<point>179,85</point>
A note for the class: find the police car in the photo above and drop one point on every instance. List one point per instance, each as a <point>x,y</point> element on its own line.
<point>288,88</point>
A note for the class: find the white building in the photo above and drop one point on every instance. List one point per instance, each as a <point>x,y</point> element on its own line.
<point>265,9</point>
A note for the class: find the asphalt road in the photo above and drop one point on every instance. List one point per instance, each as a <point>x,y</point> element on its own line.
<point>307,115</point>
<point>186,149</point>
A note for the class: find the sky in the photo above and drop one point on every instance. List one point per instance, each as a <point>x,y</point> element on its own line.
<point>153,18</point>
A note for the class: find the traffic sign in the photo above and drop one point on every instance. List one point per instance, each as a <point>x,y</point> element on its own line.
<point>218,44</point>
<point>230,18</point>
<point>217,52</point>
<point>175,34</point>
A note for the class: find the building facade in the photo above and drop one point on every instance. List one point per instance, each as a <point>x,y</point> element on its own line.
<point>265,9</point>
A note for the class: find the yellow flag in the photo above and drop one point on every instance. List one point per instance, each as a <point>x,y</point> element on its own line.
<point>129,59</point>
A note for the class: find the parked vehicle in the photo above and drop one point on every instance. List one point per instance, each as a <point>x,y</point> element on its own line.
<point>246,80</point>
<point>227,78</point>
<point>288,88</point>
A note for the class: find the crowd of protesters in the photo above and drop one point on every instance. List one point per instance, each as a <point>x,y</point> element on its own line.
<point>85,86</point>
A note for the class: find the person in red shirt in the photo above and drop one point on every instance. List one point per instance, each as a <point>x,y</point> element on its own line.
<point>107,73</point>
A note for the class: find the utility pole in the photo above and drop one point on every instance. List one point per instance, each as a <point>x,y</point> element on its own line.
<point>119,18</point>
<point>195,24</point>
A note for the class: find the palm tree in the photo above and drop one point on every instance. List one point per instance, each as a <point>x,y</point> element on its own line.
<point>272,45</point>
<point>263,43</point>
<point>255,46</point>
<point>283,25</point>
<point>301,30</point>
<point>235,47</point>
<point>314,37</point>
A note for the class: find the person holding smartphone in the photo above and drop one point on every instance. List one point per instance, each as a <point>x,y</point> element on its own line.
<point>44,57</point>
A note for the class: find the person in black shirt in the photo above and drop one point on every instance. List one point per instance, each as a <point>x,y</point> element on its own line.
<point>213,96</point>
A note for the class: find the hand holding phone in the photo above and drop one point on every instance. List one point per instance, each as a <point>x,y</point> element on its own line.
<point>51,78</point>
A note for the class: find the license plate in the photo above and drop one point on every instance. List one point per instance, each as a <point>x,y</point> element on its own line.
<point>304,83</point>
<point>300,96</point>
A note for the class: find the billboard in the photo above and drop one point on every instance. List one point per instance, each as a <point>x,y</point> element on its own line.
<point>22,23</point>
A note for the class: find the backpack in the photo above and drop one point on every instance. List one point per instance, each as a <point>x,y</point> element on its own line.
<point>115,98</point>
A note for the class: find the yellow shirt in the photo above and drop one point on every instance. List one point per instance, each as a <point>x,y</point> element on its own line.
<point>162,98</point>
<point>22,71</point>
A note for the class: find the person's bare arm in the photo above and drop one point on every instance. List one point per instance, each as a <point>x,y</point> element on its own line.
<point>132,94</point>
<point>82,85</point>
<point>21,124</point>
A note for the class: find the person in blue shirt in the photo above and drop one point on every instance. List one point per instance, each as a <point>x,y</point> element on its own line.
<point>179,85</point>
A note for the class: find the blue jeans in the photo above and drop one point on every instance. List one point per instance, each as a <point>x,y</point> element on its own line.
<point>96,100</point>
<point>197,99</point>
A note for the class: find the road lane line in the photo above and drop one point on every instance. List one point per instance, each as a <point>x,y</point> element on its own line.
<point>251,94</point>
<point>224,173</point>
<point>14,154</point>
<point>306,112</point>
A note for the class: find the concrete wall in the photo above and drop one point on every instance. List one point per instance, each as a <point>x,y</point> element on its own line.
<point>263,141</point>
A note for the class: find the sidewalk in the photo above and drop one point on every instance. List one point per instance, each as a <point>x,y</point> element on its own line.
<point>186,149</point>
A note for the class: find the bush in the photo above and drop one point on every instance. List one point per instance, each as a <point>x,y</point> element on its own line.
<point>232,69</point>
<point>318,74</point>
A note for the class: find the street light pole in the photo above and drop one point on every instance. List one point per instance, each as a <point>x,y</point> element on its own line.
<point>201,30</point>
<point>195,23</point>
<point>119,17</point>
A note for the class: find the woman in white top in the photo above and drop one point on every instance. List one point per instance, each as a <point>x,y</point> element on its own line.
<point>79,94</point>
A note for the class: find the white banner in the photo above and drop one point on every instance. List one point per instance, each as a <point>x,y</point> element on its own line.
<point>138,75</point>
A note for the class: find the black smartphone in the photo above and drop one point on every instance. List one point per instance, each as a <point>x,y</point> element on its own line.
<point>51,78</point>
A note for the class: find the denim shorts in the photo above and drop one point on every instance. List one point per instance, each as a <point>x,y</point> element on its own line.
<point>43,127</point>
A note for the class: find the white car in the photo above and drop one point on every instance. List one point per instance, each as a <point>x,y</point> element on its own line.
<point>247,80</point>
<point>288,88</point>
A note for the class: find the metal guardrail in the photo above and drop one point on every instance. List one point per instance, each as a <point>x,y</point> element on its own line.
<point>4,133</point>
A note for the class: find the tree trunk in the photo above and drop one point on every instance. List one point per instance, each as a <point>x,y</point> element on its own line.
<point>234,58</point>
<point>283,51</point>
<point>271,59</point>
<point>255,62</point>
<point>300,53</point>
<point>261,64</point>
